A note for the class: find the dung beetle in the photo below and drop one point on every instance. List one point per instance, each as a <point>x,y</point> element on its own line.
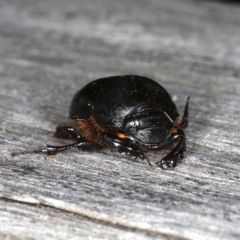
<point>130,114</point>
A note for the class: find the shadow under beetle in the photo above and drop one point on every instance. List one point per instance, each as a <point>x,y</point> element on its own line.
<point>130,114</point>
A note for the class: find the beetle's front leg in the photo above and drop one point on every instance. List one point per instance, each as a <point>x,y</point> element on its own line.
<point>123,147</point>
<point>177,153</point>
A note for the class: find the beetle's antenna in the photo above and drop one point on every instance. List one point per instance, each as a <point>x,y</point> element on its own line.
<point>184,122</point>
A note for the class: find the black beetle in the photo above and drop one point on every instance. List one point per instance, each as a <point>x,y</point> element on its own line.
<point>130,114</point>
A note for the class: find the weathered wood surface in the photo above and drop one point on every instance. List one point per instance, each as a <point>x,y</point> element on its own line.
<point>49,49</point>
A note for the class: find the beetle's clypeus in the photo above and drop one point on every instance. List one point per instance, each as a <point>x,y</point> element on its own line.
<point>130,114</point>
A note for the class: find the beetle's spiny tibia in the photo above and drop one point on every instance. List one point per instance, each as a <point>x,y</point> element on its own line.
<point>52,150</point>
<point>29,152</point>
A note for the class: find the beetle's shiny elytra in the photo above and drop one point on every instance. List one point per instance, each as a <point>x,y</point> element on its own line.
<point>131,114</point>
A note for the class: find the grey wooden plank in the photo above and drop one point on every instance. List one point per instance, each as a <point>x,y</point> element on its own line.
<point>55,224</point>
<point>49,49</point>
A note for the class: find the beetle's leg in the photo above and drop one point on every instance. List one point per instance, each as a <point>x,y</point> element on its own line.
<point>83,145</point>
<point>170,161</point>
<point>184,122</point>
<point>66,132</point>
<point>123,147</point>
<point>177,153</point>
<point>89,146</point>
<point>52,150</point>
<point>49,150</point>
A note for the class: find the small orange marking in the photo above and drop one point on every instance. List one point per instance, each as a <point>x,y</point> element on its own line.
<point>121,135</point>
<point>174,130</point>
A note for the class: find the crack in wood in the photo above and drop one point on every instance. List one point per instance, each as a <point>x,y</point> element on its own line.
<point>93,215</point>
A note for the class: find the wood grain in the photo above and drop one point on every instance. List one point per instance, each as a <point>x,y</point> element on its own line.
<point>49,49</point>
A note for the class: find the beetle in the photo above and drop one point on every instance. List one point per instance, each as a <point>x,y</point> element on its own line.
<point>131,114</point>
